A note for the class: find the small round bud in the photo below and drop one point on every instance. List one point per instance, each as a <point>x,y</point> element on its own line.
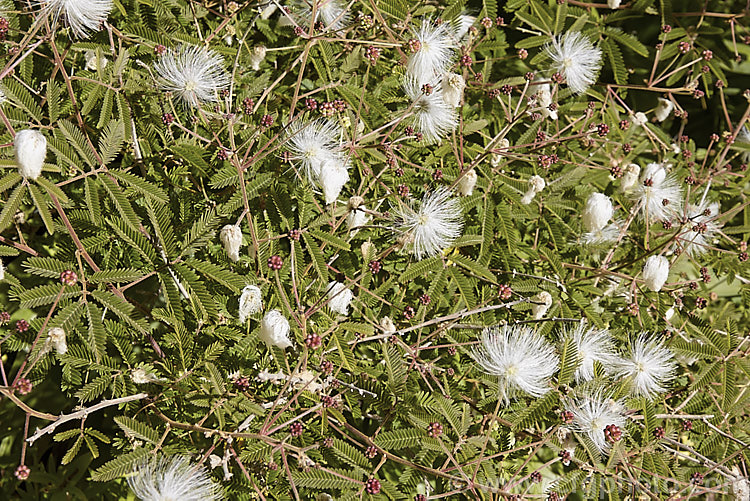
<point>68,277</point>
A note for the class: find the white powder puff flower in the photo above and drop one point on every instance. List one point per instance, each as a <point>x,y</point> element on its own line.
<point>536,185</point>
<point>31,149</point>
<point>655,272</point>
<point>613,4</point>
<point>274,330</point>
<point>703,223</point>
<point>648,367</point>
<point>593,413</point>
<point>577,59</point>
<point>251,302</point>
<point>606,235</point>
<point>2,270</point>
<point>83,16</point>
<point>56,339</point>
<point>339,297</point>
<point>431,227</point>
<point>173,478</point>
<point>541,303</point>
<point>592,345</point>
<point>231,238</point>
<point>434,52</point>
<point>433,117</point>
<point>597,212</point>
<point>630,177</point>
<point>658,194</point>
<point>663,109</point>
<point>522,360</point>
<point>453,89</point>
<point>332,13</point>
<point>315,147</point>
<point>194,74</point>
<point>544,97</point>
<point>467,183</point>
<point>257,55</point>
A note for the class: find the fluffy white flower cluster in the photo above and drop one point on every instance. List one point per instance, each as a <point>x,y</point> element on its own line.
<point>430,227</point>
<point>435,92</point>
<point>316,147</point>
<point>194,74</point>
<point>703,225</point>
<point>575,57</point>
<point>31,150</point>
<point>593,412</point>
<point>596,216</point>
<point>647,368</point>
<point>332,13</point>
<point>83,16</point>
<point>525,362</point>
<point>657,194</point>
<point>173,478</point>
<point>274,327</point>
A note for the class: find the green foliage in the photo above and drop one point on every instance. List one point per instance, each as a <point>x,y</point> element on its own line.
<point>118,244</point>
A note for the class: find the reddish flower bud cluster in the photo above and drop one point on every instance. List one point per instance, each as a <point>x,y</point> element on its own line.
<point>295,429</point>
<point>434,430</point>
<point>68,277</point>
<point>313,340</point>
<point>612,433</point>
<point>275,262</point>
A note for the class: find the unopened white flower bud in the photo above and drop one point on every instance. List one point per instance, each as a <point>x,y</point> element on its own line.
<point>467,183</point>
<point>56,339</point>
<point>639,119</point>
<point>142,376</point>
<point>368,250</point>
<point>545,100</point>
<point>497,157</point>
<point>669,314</point>
<point>598,212</point>
<point>2,270</point>
<point>31,149</point>
<point>740,485</point>
<point>453,89</point>
<point>387,325</point>
<point>629,177</point>
<point>655,272</point>
<point>257,55</point>
<point>356,218</point>
<point>613,4</point>
<point>339,297</point>
<point>663,109</point>
<point>231,238</point>
<point>536,184</point>
<point>94,62</point>
<point>274,330</point>
<point>544,300</point>
<point>268,10</point>
<point>333,176</point>
<point>251,302</point>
